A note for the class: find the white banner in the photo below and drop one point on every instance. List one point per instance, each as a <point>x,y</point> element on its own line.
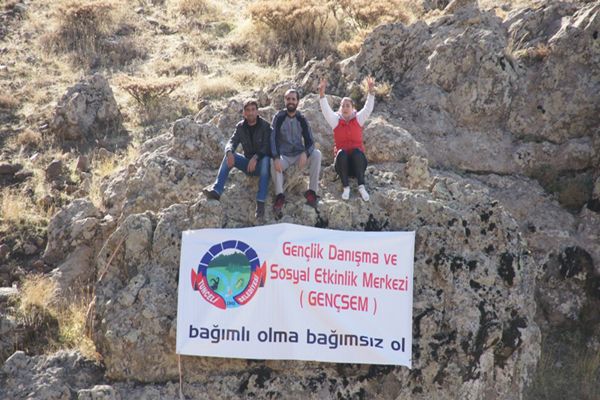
<point>290,292</point>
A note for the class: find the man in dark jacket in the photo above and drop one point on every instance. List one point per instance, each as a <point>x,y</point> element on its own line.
<point>292,143</point>
<point>254,134</point>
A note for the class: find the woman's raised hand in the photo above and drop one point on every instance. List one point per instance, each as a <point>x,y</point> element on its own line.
<point>322,86</point>
<point>371,84</point>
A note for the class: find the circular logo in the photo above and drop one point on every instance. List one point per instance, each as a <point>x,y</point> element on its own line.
<point>229,274</point>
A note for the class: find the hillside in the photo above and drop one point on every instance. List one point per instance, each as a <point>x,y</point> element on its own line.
<point>485,140</point>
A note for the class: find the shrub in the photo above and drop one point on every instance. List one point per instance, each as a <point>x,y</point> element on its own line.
<point>350,47</point>
<point>54,324</point>
<point>8,102</point>
<point>16,207</point>
<point>538,52</point>
<point>217,87</point>
<point>151,96</point>
<point>148,90</point>
<point>368,13</point>
<point>250,75</point>
<point>192,8</point>
<point>29,139</point>
<point>82,26</point>
<point>91,34</point>
<point>299,30</point>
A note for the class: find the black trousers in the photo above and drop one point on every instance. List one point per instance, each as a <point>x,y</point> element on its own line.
<point>353,164</point>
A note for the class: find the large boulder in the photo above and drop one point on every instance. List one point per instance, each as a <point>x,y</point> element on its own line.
<point>474,318</point>
<point>172,168</point>
<point>57,376</point>
<point>75,235</point>
<point>88,113</point>
<point>557,98</point>
<point>486,95</point>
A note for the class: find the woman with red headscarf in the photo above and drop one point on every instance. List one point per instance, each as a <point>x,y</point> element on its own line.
<point>347,125</point>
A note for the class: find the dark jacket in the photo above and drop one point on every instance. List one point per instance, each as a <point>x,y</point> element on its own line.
<point>258,144</point>
<point>297,148</point>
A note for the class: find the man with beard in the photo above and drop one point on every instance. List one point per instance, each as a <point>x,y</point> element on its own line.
<point>254,133</point>
<point>292,144</point>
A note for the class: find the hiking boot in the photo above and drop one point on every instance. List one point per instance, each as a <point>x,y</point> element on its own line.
<point>311,198</point>
<point>211,194</point>
<point>260,211</point>
<point>278,205</point>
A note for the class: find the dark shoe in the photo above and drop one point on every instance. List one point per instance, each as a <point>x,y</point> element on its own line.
<point>260,210</point>
<point>311,198</point>
<point>211,194</point>
<point>278,205</point>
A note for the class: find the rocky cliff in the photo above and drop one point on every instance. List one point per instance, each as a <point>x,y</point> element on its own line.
<point>487,145</point>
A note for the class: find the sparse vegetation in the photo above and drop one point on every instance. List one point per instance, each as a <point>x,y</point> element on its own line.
<point>152,96</point>
<point>538,52</point>
<point>17,208</point>
<point>192,8</point>
<point>41,307</point>
<point>148,91</point>
<point>88,32</point>
<point>368,13</point>
<point>298,30</point>
<point>29,138</point>
<point>217,86</point>
<point>8,103</point>
<point>102,167</point>
<point>568,367</point>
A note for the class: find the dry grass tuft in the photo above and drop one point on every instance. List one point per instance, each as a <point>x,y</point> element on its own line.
<point>40,295</point>
<point>92,34</point>
<point>350,47</point>
<point>382,90</point>
<point>8,102</point>
<point>192,8</point>
<point>16,208</point>
<point>298,31</point>
<point>217,87</point>
<point>38,290</point>
<point>82,26</point>
<point>368,13</point>
<point>102,168</point>
<point>29,139</point>
<point>538,52</point>
<point>72,326</point>
<point>249,75</point>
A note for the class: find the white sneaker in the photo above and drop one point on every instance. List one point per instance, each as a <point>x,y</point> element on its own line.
<point>363,193</point>
<point>346,193</point>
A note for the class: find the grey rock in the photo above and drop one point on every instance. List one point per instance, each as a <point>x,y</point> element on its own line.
<point>88,112</point>
<point>98,392</point>
<point>9,169</point>
<point>54,171</point>
<point>22,175</point>
<point>75,225</point>
<point>453,271</point>
<point>56,376</point>
<point>7,293</point>
<point>74,273</point>
<point>29,249</point>
<point>173,169</point>
<point>83,164</point>
<point>4,251</point>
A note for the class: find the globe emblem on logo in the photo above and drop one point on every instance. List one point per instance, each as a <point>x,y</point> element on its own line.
<point>229,274</point>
